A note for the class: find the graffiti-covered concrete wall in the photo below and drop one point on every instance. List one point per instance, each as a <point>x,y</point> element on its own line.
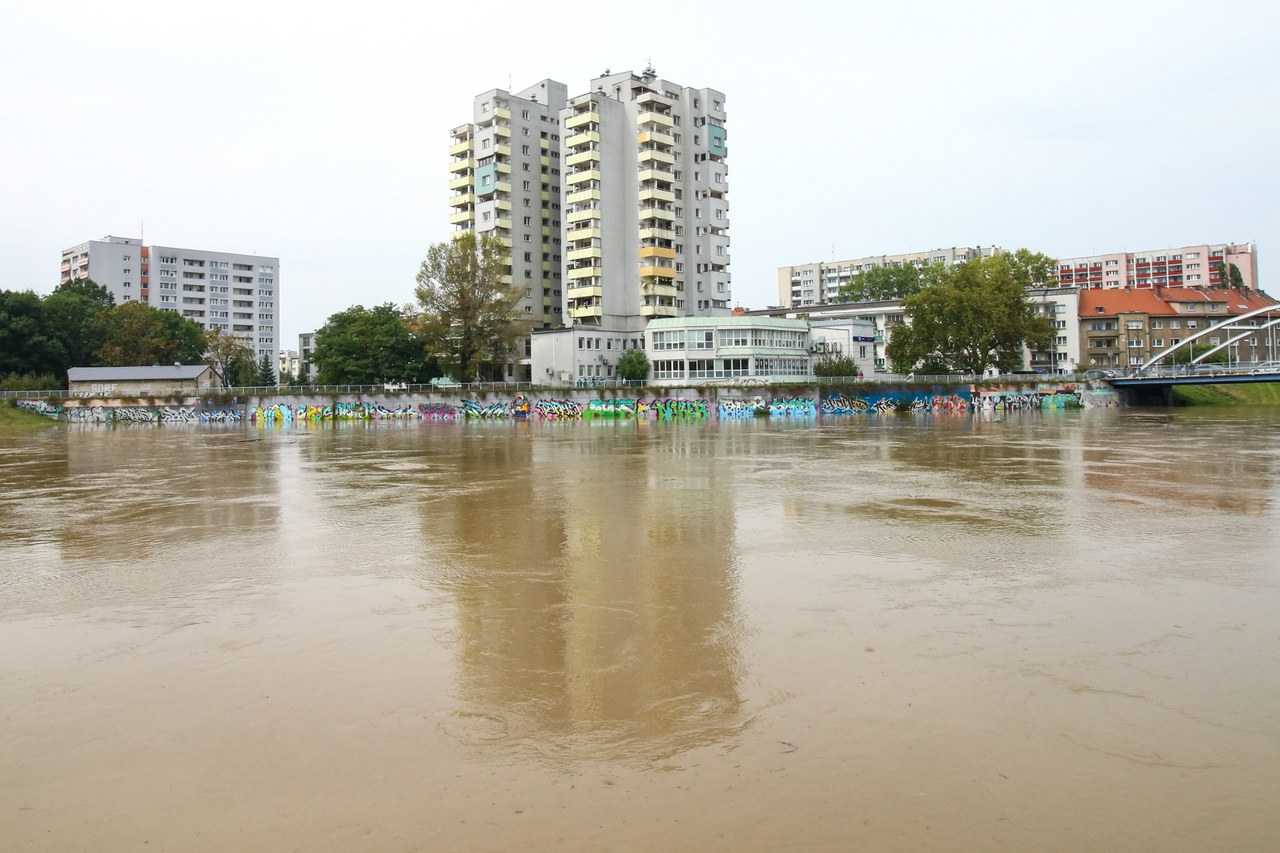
<point>685,404</point>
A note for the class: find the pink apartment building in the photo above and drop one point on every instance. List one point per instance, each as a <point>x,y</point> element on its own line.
<point>1206,265</point>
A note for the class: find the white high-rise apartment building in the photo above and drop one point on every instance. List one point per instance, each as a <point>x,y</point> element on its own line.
<point>505,181</point>
<point>647,201</point>
<point>238,294</point>
<point>614,203</point>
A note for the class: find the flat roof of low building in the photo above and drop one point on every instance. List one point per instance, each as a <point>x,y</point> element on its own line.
<point>128,374</point>
<point>720,322</point>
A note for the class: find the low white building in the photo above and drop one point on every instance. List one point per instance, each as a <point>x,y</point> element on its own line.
<point>156,380</point>
<point>695,350</point>
<point>578,355</point>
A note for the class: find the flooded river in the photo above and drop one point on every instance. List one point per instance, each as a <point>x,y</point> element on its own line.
<point>1053,631</point>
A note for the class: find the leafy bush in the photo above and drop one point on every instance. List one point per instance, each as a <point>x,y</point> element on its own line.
<point>29,382</point>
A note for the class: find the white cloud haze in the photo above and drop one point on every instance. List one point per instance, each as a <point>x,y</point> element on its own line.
<point>319,133</point>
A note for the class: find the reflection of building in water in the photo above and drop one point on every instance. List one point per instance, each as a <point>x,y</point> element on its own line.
<point>595,589</point>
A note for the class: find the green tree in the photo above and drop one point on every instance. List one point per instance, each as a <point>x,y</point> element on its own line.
<point>137,334</point>
<point>633,365</point>
<point>29,342</point>
<point>74,314</point>
<point>266,373</point>
<point>469,318</point>
<point>972,315</point>
<point>231,357</point>
<point>1032,269</point>
<point>833,364</point>
<point>366,346</point>
<point>89,289</point>
<point>1197,350</point>
<point>1232,277</point>
<point>881,284</point>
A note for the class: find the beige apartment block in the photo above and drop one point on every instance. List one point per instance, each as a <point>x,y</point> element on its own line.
<point>818,283</point>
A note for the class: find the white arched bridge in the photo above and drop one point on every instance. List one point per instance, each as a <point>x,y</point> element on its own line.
<point>1181,364</point>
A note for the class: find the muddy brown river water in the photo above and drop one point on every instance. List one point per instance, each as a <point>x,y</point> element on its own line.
<point>1053,631</point>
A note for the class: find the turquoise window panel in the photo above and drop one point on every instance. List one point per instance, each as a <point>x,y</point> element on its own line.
<point>716,137</point>
<point>486,179</point>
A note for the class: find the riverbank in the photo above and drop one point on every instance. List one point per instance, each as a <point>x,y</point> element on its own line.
<point>1243,394</point>
<point>13,419</point>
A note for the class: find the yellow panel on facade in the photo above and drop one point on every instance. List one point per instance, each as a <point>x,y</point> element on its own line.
<point>582,195</point>
<point>657,234</point>
<point>460,148</point>
<point>656,137</point>
<point>584,272</point>
<point>652,156</point>
<point>657,252</point>
<point>655,118</point>
<point>657,195</point>
<point>658,272</point>
<point>658,311</point>
<point>587,233</point>
<point>656,213</point>
<point>585,175</point>
<point>659,175</point>
<point>582,215</point>
<point>462,165</point>
<point>582,138</point>
<point>579,120</point>
<point>502,112</point>
<point>588,311</point>
<point>464,200</point>
<point>460,217</point>
<point>580,254</point>
<point>584,157</point>
<point>460,182</point>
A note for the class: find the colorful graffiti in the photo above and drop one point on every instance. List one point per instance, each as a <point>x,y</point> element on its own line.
<point>837,403</point>
<point>40,407</point>
<point>794,407</point>
<point>741,408</point>
<point>437,412</point>
<point>672,409</point>
<point>558,410</point>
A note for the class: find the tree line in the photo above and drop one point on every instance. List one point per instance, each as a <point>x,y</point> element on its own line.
<point>465,323</point>
<point>79,325</point>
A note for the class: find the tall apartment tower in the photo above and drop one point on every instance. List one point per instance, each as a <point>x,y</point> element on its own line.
<point>238,294</point>
<point>614,204</point>
<point>647,202</point>
<point>505,181</point>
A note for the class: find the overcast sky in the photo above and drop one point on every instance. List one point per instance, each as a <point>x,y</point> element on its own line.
<point>320,136</point>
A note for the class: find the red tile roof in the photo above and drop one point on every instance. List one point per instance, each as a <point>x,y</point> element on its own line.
<point>1109,303</point>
